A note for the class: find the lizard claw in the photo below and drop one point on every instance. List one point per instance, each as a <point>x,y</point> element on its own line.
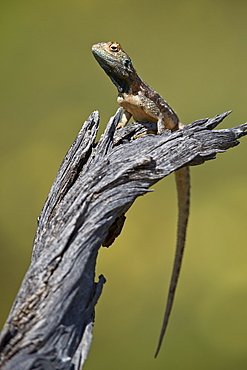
<point>120,125</point>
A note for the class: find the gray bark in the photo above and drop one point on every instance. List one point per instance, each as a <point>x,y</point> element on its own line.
<point>50,324</point>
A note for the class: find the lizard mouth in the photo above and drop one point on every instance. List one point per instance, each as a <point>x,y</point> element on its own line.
<point>101,60</point>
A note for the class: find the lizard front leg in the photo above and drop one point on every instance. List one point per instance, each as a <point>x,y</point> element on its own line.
<point>126,116</point>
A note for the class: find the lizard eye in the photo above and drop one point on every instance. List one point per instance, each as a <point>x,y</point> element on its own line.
<point>114,47</point>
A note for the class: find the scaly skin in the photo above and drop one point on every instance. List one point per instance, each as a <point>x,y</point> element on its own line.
<point>143,103</point>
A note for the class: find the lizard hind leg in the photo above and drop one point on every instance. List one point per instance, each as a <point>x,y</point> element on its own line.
<point>160,124</point>
<point>164,123</point>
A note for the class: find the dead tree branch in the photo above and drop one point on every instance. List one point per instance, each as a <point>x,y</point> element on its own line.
<point>50,324</point>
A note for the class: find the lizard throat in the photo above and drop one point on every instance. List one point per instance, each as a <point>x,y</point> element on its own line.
<point>123,85</point>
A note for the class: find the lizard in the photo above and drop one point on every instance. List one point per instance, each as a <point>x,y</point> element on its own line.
<point>143,103</point>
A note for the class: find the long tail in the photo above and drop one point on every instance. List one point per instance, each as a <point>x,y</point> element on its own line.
<point>183,191</point>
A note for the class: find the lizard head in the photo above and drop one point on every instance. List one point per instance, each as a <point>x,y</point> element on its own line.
<point>116,63</point>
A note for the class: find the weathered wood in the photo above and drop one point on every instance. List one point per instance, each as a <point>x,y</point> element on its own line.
<point>50,324</point>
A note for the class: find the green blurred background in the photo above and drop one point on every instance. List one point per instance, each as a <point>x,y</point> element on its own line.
<point>195,54</point>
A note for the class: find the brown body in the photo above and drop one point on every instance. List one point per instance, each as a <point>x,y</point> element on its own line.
<point>143,108</point>
<point>143,103</point>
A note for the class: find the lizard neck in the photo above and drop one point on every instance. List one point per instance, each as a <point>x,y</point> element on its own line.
<point>130,86</point>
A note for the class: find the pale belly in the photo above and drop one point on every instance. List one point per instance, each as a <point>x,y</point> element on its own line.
<point>134,105</point>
